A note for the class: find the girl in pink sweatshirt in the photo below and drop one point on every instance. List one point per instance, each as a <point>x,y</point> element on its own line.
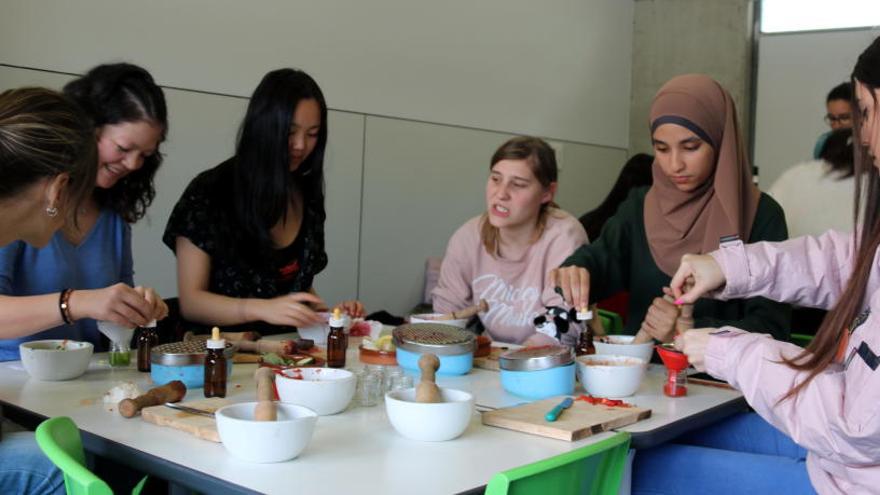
<point>504,254</point>
<point>826,397</point>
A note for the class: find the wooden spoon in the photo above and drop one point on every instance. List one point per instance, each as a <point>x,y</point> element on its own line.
<point>170,392</point>
<point>427,390</point>
<point>265,409</point>
<point>466,313</point>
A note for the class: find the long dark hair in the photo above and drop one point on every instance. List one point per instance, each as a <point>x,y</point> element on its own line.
<point>838,152</point>
<point>823,349</point>
<point>114,94</point>
<point>263,183</point>
<point>44,134</point>
<point>542,162</point>
<point>635,173</point>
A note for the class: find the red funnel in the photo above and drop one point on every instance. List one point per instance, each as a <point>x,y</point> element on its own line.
<point>676,376</point>
<point>672,359</point>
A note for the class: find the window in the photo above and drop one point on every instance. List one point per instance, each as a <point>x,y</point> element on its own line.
<point>778,16</point>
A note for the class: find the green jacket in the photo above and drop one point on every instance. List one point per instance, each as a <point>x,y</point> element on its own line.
<point>620,260</point>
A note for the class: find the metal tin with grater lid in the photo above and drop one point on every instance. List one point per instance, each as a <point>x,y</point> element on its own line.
<point>434,338</point>
<point>184,361</point>
<point>536,358</point>
<point>184,353</point>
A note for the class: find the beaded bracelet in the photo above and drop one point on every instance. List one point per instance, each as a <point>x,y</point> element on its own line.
<point>64,305</point>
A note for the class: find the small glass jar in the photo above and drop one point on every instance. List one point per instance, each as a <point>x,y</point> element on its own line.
<point>120,354</point>
<point>676,383</point>
<point>369,388</point>
<point>401,382</point>
<point>391,374</point>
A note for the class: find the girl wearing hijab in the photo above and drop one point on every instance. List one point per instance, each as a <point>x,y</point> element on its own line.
<point>702,193</point>
<point>822,400</point>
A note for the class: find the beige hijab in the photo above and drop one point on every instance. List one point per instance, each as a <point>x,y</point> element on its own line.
<point>677,222</point>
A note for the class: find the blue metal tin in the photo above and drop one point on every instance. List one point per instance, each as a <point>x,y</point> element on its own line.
<point>460,364</point>
<point>192,375</point>
<point>540,384</point>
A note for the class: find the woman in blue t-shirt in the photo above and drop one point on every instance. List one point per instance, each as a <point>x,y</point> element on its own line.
<point>88,263</point>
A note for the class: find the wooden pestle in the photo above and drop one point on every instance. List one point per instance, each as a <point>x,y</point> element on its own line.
<point>264,346</point>
<point>596,323</point>
<point>265,409</point>
<point>685,319</point>
<point>170,392</point>
<point>643,336</point>
<point>466,313</point>
<point>427,390</point>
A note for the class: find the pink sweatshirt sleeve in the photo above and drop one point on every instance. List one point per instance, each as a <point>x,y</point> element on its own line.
<point>453,291</point>
<point>819,418</point>
<point>808,271</point>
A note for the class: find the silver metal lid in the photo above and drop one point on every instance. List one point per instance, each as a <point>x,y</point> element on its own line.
<point>435,338</point>
<point>536,358</point>
<point>184,353</point>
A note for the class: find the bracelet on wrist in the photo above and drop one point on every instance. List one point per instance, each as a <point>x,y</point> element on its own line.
<point>64,306</point>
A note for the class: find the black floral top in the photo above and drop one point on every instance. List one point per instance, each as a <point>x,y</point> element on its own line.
<point>202,216</point>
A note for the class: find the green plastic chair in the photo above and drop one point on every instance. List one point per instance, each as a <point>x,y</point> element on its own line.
<point>596,469</point>
<point>611,321</point>
<point>59,439</point>
<point>801,339</point>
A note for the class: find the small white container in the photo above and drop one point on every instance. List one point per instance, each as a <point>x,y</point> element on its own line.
<point>432,318</point>
<point>430,422</point>
<point>621,345</point>
<point>265,441</point>
<point>323,390</point>
<point>610,376</point>
<point>55,360</point>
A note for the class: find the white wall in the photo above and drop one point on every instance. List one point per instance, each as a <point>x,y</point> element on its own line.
<point>795,73</point>
<point>420,93</point>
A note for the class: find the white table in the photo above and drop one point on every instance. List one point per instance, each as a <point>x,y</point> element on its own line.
<point>354,451</point>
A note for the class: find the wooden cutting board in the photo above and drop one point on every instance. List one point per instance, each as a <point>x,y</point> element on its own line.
<point>578,421</point>
<point>199,426</point>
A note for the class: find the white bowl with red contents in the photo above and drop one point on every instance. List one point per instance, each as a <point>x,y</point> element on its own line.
<point>323,390</point>
<point>610,376</point>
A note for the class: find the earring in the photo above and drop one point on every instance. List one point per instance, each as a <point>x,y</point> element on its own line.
<point>51,211</point>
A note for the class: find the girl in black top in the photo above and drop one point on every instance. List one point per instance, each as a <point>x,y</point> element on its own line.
<point>249,233</point>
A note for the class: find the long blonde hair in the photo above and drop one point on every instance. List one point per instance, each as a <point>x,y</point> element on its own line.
<point>542,161</point>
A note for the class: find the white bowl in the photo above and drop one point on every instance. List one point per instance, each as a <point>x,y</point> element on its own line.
<point>44,360</point>
<point>621,345</point>
<point>323,390</point>
<point>265,441</point>
<point>610,376</point>
<point>318,333</point>
<point>429,422</point>
<point>432,318</point>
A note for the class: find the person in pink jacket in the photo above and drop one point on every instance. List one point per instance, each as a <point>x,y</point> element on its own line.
<point>504,254</point>
<point>825,398</point>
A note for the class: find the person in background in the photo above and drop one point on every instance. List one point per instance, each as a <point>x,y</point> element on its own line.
<point>818,403</point>
<point>47,161</point>
<point>818,195</point>
<point>636,172</point>
<point>249,233</point>
<point>503,255</point>
<point>838,113</point>
<point>702,192</point>
<point>89,264</point>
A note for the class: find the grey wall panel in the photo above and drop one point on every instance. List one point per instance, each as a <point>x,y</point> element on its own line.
<point>557,68</point>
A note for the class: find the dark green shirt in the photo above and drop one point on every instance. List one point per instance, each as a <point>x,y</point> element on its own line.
<point>620,260</point>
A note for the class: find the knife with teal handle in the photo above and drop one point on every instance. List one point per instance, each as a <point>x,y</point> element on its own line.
<point>554,413</point>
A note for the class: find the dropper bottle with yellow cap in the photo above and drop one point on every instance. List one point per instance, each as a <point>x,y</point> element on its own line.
<point>337,342</point>
<point>215,366</point>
